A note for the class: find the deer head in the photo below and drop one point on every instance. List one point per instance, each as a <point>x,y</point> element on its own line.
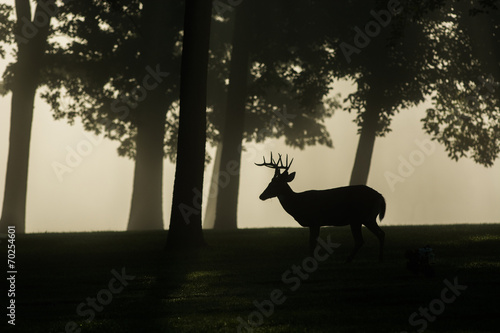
<point>279,183</point>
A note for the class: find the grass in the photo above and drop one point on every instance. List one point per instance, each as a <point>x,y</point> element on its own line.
<point>207,291</point>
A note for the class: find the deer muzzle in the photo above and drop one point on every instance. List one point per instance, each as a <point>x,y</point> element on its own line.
<point>265,195</point>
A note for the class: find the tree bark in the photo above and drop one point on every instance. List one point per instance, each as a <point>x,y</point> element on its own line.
<point>185,221</point>
<point>366,143</point>
<point>232,134</point>
<point>31,48</point>
<point>146,210</point>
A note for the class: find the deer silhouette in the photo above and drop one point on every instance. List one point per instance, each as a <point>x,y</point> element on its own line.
<point>351,205</point>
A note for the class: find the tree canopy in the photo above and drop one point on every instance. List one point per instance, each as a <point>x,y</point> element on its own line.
<point>465,116</point>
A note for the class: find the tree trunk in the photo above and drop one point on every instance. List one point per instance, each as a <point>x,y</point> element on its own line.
<point>185,221</point>
<point>232,135</point>
<point>146,210</point>
<point>31,49</point>
<point>209,218</point>
<point>361,168</point>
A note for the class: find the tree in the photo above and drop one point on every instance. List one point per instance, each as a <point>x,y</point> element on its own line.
<point>232,134</point>
<point>436,48</point>
<point>275,89</point>
<point>466,111</point>
<point>385,48</point>
<point>119,73</point>
<point>23,80</point>
<point>146,208</point>
<point>394,74</point>
<point>185,223</point>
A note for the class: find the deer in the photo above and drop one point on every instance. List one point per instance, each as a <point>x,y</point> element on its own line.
<point>354,205</point>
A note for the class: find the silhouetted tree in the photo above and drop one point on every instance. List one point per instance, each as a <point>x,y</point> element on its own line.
<point>276,86</point>
<point>384,49</point>
<point>465,117</point>
<point>232,133</point>
<point>392,72</point>
<point>435,48</point>
<point>146,208</point>
<point>185,222</point>
<point>23,80</point>
<point>119,73</point>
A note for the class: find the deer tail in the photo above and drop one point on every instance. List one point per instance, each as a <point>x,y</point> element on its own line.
<point>381,213</point>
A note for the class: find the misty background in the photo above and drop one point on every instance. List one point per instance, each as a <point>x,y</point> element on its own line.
<point>96,194</point>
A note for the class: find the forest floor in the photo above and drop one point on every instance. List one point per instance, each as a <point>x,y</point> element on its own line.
<point>259,280</point>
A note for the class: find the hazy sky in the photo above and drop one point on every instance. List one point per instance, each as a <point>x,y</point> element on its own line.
<point>96,194</point>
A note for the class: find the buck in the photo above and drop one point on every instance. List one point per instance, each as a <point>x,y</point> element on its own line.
<point>351,205</point>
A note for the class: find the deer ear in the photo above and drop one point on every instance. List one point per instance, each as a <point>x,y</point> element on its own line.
<point>290,177</point>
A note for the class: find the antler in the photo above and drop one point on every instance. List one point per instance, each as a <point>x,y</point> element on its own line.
<point>276,165</point>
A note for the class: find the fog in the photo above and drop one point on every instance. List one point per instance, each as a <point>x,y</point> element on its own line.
<point>96,194</point>
<point>420,183</point>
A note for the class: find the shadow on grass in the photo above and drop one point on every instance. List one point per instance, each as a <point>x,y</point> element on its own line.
<point>209,289</point>
<point>60,274</point>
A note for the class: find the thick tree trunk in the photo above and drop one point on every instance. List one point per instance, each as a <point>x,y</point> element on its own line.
<point>232,134</point>
<point>185,222</point>
<point>26,77</point>
<point>146,210</point>
<point>361,168</point>
<point>16,181</point>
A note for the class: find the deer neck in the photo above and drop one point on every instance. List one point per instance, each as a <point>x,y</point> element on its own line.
<point>288,200</point>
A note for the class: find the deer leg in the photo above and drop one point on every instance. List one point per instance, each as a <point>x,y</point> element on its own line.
<point>358,240</point>
<point>375,229</point>
<point>313,238</point>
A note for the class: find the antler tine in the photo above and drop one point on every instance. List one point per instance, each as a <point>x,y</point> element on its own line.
<point>264,163</point>
<point>288,165</point>
<point>279,163</point>
<point>274,164</point>
<point>271,164</point>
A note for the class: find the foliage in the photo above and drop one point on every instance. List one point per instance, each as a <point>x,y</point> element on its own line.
<point>445,49</point>
<point>466,113</point>
<point>6,37</point>
<point>393,68</point>
<point>98,76</point>
<point>430,48</point>
<point>6,27</point>
<point>98,71</point>
<point>289,81</point>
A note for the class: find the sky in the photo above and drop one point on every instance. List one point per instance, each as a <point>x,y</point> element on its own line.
<point>420,183</point>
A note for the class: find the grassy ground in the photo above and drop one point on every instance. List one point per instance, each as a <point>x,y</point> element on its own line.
<point>207,291</point>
